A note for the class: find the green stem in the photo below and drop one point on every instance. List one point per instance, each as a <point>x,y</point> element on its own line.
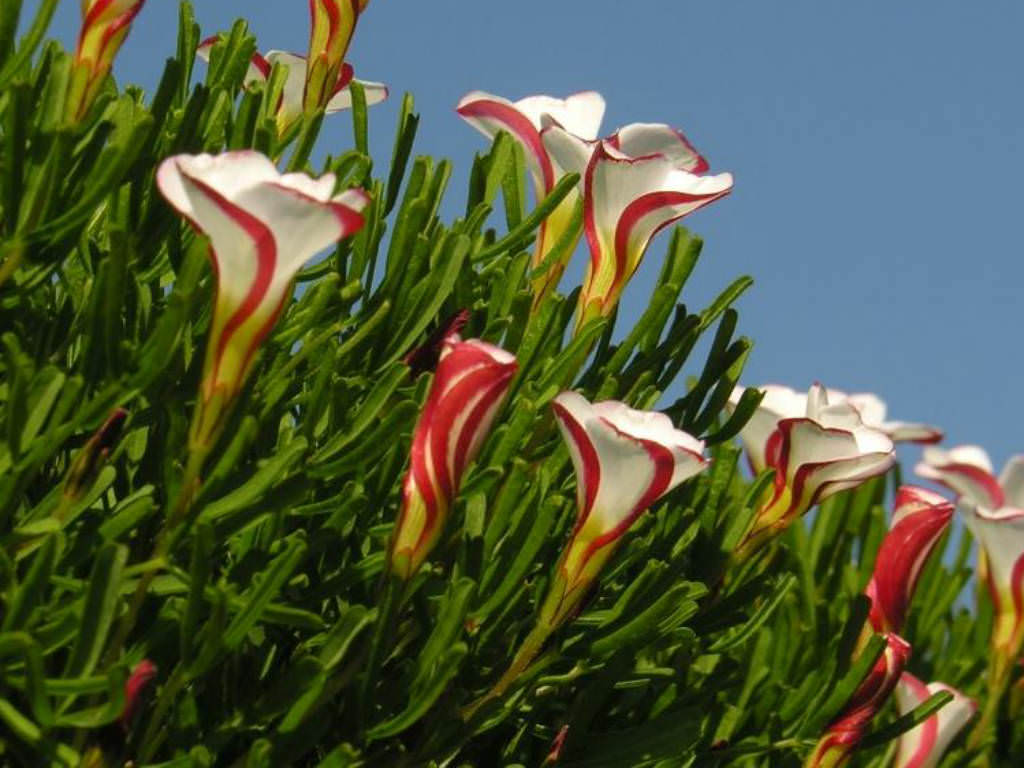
<point>998,682</point>
<point>382,640</point>
<point>520,663</point>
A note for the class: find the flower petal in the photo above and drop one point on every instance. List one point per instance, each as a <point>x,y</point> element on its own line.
<point>919,520</point>
<point>966,470</point>
<point>580,113</point>
<point>924,745</point>
<point>491,114</point>
<point>640,139</point>
<point>1011,480</point>
<point>610,441</point>
<point>342,99</point>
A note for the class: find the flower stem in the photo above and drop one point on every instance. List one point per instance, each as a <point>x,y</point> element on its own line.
<point>998,682</point>
<point>520,663</point>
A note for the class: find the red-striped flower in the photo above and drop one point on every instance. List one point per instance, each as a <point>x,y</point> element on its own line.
<point>579,113</point>
<point>469,387</point>
<point>924,745</point>
<point>845,732</point>
<point>782,402</point>
<point>967,471</point>
<point>634,183</point>
<point>814,456</point>
<point>333,23</point>
<point>289,108</point>
<point>625,460</point>
<point>105,25</point>
<point>1000,535</point>
<point>919,519</point>
<point>263,226</point>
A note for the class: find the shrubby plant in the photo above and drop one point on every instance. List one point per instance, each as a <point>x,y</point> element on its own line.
<point>406,503</point>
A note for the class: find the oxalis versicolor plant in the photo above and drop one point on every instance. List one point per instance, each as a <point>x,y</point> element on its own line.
<point>419,510</point>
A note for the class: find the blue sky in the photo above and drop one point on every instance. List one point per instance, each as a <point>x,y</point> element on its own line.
<point>875,147</point>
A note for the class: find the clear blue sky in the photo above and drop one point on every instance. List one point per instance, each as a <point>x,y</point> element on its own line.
<point>876,148</point>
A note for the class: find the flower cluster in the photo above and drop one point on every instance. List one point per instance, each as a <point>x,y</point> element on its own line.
<point>633,183</point>
<point>264,225</point>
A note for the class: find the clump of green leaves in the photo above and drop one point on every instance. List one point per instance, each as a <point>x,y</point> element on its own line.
<point>262,617</point>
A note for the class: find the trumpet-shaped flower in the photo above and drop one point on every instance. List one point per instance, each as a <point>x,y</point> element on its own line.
<point>469,387</point>
<point>263,226</point>
<point>845,732</point>
<point>628,198</point>
<point>1000,535</point>
<point>105,25</point>
<point>289,107</point>
<point>919,519</point>
<point>625,460</point>
<point>579,113</point>
<point>785,403</point>
<point>924,745</point>
<point>967,471</point>
<point>333,24</point>
<point>826,450</point>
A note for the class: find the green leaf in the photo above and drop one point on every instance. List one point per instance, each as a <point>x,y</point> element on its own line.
<point>269,584</point>
<point>98,611</point>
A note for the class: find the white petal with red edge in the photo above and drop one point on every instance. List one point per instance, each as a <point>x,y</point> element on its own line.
<point>298,212</point>
<point>614,446</point>
<point>1001,534</point>
<point>259,67</point>
<point>838,459</point>
<point>569,152</point>
<point>1011,479</point>
<point>580,114</point>
<point>966,470</point>
<point>374,92</point>
<point>640,139</point>
<point>631,199</point>
<point>924,745</point>
<point>778,403</point>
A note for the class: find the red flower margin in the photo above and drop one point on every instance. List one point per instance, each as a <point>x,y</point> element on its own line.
<point>635,183</point>
<point>105,25</point>
<point>920,518</point>
<point>827,450</point>
<point>289,108</point>
<point>468,389</point>
<point>846,731</point>
<point>579,113</point>
<point>924,745</point>
<point>625,460</point>
<point>263,227</point>
<point>967,471</point>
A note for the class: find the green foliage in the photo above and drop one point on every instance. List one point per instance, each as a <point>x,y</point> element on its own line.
<point>277,638</point>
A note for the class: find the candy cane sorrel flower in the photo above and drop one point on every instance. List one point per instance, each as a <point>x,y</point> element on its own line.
<point>105,25</point>
<point>263,226</point>
<point>333,24</point>
<point>826,450</point>
<point>920,518</point>
<point>634,184</point>
<point>289,108</point>
<point>843,735</point>
<point>1000,535</point>
<point>580,114</point>
<point>967,471</point>
<point>469,387</point>
<point>785,403</point>
<point>924,745</point>
<point>625,460</point>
